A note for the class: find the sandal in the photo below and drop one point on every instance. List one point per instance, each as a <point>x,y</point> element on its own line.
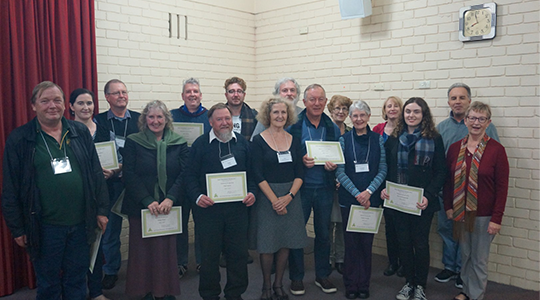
<point>465,295</point>
<point>266,294</point>
<point>280,294</point>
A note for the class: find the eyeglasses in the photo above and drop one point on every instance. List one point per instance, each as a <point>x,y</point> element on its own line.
<point>481,120</point>
<point>359,116</point>
<point>343,109</point>
<point>116,94</point>
<point>239,92</point>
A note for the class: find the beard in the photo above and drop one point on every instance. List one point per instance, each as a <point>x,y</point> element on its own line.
<point>224,136</point>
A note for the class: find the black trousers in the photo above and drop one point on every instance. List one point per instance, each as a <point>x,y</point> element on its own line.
<point>222,227</point>
<point>392,244</point>
<point>413,237</point>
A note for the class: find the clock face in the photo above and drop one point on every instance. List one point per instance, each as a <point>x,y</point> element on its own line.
<point>477,22</point>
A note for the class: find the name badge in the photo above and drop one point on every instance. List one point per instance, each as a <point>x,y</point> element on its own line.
<point>228,161</point>
<point>61,165</point>
<point>120,141</point>
<point>361,168</point>
<point>284,157</point>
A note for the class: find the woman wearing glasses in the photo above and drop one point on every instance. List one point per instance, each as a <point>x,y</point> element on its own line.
<point>475,197</point>
<point>415,157</point>
<point>338,107</point>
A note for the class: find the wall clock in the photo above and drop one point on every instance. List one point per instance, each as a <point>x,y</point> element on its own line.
<point>478,22</point>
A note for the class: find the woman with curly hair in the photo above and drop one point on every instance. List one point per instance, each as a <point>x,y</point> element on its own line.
<point>415,157</point>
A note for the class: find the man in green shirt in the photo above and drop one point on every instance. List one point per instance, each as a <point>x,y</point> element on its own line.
<point>54,194</point>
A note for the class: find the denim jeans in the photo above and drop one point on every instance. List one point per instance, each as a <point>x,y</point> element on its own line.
<point>451,258</point>
<point>62,262</point>
<point>94,278</point>
<point>320,199</point>
<point>111,238</point>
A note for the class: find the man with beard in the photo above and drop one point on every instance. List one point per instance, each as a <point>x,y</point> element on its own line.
<point>286,88</point>
<point>220,226</point>
<point>191,112</point>
<point>243,116</point>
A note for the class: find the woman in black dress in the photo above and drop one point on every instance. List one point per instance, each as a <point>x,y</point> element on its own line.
<point>278,170</point>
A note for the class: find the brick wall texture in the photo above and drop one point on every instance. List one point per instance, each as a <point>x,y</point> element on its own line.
<point>401,44</point>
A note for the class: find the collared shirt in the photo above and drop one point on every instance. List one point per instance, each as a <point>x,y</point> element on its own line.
<point>61,196</point>
<point>452,131</point>
<point>212,135</point>
<point>111,115</point>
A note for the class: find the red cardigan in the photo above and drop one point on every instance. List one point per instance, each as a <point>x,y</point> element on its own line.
<point>379,128</point>
<point>493,174</point>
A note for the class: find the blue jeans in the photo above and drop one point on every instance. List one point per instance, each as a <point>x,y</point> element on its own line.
<point>451,258</point>
<point>62,262</point>
<point>111,238</point>
<point>320,199</point>
<point>94,278</point>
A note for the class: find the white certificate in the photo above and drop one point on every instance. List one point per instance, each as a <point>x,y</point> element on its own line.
<point>325,151</point>
<point>190,131</point>
<point>364,220</point>
<point>94,248</point>
<point>106,152</point>
<point>226,187</point>
<point>404,198</point>
<point>161,224</point>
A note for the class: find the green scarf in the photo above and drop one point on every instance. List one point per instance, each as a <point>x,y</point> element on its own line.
<point>147,139</point>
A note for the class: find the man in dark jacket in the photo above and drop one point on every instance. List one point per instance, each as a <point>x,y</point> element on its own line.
<point>54,194</point>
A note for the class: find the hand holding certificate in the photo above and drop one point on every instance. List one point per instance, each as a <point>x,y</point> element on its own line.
<point>364,220</point>
<point>322,152</point>
<point>226,187</point>
<point>161,224</point>
<point>404,198</point>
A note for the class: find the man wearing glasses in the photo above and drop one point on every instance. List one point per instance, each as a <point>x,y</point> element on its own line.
<point>120,122</point>
<point>452,130</point>
<point>244,120</point>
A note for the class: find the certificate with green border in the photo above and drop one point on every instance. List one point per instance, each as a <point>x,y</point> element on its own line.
<point>364,220</point>
<point>190,131</point>
<point>226,187</point>
<point>161,224</point>
<point>322,152</point>
<point>107,155</point>
<point>404,198</point>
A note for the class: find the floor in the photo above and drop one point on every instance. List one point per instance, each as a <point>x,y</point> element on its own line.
<point>382,287</point>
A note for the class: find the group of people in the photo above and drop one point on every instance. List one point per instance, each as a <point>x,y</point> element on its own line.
<point>56,195</point>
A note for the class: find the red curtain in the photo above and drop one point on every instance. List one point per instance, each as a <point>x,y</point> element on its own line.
<point>39,40</point>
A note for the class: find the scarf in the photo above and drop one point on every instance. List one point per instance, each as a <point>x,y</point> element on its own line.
<point>147,139</point>
<point>466,200</point>
<point>424,151</point>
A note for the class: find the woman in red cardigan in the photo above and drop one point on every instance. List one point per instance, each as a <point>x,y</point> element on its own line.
<point>475,197</point>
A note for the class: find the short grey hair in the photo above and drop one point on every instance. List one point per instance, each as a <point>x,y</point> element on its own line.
<point>359,105</point>
<point>282,81</point>
<point>190,81</point>
<point>313,86</point>
<point>458,85</point>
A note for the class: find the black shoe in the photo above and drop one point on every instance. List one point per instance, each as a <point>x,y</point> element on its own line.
<point>325,285</point>
<point>390,270</point>
<point>351,295</point>
<point>459,281</point>
<point>363,294</point>
<point>297,288</point>
<point>445,276</point>
<point>339,268</point>
<point>400,272</point>
<point>109,281</point>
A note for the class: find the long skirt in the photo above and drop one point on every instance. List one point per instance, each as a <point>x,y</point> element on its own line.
<point>152,264</point>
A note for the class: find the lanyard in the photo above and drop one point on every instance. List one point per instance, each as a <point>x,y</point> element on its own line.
<point>62,142</point>
<point>354,148</point>
<point>125,129</point>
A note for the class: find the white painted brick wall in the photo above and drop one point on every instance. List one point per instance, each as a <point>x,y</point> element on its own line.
<point>401,44</point>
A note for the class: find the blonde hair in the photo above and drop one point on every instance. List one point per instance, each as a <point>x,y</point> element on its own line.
<point>398,102</point>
